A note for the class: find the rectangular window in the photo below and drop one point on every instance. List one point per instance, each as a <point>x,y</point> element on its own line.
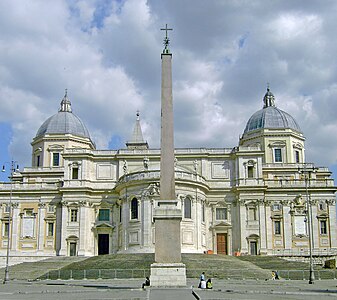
<point>73,215</point>
<point>250,170</point>
<point>29,212</point>
<point>297,156</point>
<point>75,173</point>
<point>187,208</point>
<point>7,209</point>
<point>221,213</point>
<point>120,214</point>
<point>56,159</point>
<point>277,227</point>
<point>278,155</point>
<point>38,160</point>
<point>5,229</point>
<point>203,212</point>
<point>50,229</point>
<point>276,207</point>
<point>104,215</point>
<point>322,206</point>
<point>323,227</point>
<point>51,208</point>
<point>252,213</point>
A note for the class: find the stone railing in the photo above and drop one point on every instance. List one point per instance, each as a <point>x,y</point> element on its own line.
<point>299,183</point>
<point>304,252</point>
<point>29,186</point>
<point>155,175</point>
<point>288,165</point>
<point>43,169</point>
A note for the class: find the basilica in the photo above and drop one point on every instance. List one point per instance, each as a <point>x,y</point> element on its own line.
<point>256,198</point>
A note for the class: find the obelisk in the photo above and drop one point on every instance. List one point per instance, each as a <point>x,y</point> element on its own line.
<point>168,270</point>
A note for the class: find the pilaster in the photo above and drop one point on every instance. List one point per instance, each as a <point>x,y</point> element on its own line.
<point>15,227</point>
<point>41,226</point>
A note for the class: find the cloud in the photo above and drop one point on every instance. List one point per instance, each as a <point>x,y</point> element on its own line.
<point>107,53</point>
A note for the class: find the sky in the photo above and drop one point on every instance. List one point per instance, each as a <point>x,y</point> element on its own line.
<point>106,53</point>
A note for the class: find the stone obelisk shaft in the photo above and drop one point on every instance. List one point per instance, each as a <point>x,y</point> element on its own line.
<point>167,186</point>
<point>168,270</point>
<point>167,214</point>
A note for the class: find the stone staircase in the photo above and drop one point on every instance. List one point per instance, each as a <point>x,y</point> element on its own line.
<point>33,270</point>
<point>223,267</point>
<point>214,266</point>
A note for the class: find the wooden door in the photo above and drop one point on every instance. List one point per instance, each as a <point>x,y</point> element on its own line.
<point>221,241</point>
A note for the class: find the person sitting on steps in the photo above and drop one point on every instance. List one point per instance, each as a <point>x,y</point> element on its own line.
<point>209,285</point>
<point>146,283</point>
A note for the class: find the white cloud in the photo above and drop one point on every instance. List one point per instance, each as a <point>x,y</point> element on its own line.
<point>107,53</point>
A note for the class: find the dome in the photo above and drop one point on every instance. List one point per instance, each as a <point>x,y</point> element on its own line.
<point>271,117</point>
<point>64,122</point>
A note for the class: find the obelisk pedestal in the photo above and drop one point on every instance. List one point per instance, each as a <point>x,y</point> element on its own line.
<point>168,270</point>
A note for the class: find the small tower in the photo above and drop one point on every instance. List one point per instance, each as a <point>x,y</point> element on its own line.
<point>137,140</point>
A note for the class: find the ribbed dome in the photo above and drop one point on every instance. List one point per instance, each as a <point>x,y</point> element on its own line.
<point>271,117</point>
<point>64,122</point>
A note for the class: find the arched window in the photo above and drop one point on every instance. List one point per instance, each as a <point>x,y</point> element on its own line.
<point>187,208</point>
<point>134,209</point>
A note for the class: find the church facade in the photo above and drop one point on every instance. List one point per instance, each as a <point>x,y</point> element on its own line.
<point>252,199</point>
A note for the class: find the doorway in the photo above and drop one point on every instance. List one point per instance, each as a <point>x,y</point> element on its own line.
<point>72,249</point>
<point>221,242</point>
<point>103,244</point>
<point>253,248</point>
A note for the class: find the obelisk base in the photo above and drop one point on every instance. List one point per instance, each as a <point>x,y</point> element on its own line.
<point>168,270</point>
<point>168,274</point>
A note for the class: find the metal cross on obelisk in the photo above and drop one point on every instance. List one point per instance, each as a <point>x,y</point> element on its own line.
<point>166,40</point>
<point>167,269</point>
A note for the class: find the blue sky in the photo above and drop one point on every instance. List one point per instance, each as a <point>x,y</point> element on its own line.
<point>107,54</point>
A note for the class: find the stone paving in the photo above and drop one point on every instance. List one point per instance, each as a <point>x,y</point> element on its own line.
<point>130,289</point>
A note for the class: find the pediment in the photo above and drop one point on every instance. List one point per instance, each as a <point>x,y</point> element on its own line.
<point>103,225</point>
<point>222,224</point>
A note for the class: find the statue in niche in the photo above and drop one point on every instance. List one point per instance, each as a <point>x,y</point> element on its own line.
<point>125,167</point>
<point>175,162</point>
<point>195,166</point>
<point>299,201</point>
<point>146,163</point>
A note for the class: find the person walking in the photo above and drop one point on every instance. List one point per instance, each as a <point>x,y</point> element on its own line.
<point>202,282</point>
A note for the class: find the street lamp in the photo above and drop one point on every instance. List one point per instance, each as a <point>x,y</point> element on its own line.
<point>306,170</point>
<point>13,170</point>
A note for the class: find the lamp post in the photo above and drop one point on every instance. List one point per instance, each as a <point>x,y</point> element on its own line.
<point>13,169</point>
<point>306,171</point>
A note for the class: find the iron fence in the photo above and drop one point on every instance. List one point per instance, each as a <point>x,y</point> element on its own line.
<point>239,274</point>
